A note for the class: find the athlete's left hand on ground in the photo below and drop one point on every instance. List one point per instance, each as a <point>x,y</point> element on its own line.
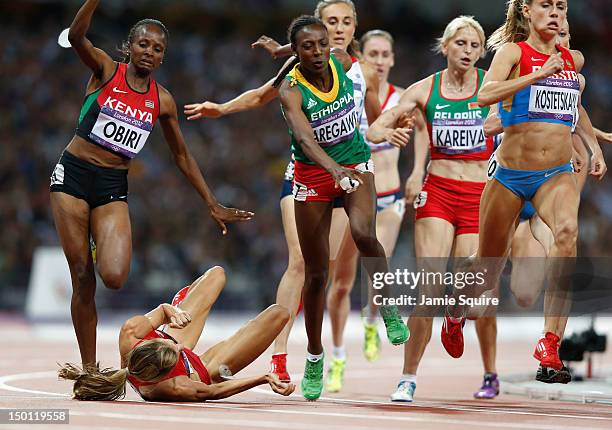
<point>223,215</point>
<point>278,386</point>
<point>598,165</point>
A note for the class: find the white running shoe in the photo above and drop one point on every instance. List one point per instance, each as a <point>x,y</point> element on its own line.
<point>405,392</point>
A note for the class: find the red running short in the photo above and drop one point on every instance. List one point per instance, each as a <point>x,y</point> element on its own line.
<point>457,202</point>
<point>312,183</point>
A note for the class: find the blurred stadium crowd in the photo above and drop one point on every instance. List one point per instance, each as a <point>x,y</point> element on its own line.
<point>243,156</point>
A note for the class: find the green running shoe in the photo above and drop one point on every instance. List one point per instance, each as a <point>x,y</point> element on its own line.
<point>397,331</point>
<point>312,381</point>
<point>371,342</point>
<point>335,375</point>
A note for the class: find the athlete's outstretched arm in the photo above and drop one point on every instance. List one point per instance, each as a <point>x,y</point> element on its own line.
<point>186,390</point>
<point>249,100</point>
<point>186,163</point>
<point>291,101</point>
<point>97,60</point>
<point>584,128</point>
<point>496,87</point>
<point>383,128</point>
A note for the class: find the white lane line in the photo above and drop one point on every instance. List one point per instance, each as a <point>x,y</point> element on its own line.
<point>25,377</point>
<point>437,405</point>
<point>40,375</point>
<point>403,417</point>
<point>241,423</point>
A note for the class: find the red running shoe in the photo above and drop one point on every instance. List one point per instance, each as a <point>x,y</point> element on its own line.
<point>452,336</point>
<point>278,366</point>
<point>547,351</point>
<point>180,296</point>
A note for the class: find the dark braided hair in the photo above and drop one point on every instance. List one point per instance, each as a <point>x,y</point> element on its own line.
<point>125,46</point>
<point>296,25</point>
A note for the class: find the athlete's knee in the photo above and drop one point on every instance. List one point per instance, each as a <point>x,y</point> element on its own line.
<point>342,286</point>
<point>566,236</point>
<point>316,277</point>
<point>365,239</point>
<point>113,278</point>
<point>526,300</point>
<point>296,267</point>
<point>216,273</point>
<point>83,278</point>
<point>279,313</point>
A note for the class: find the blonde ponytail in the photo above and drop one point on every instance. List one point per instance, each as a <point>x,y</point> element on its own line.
<point>515,29</point>
<point>150,360</point>
<point>94,383</point>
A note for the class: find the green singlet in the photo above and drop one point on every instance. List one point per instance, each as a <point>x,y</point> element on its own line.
<point>333,116</point>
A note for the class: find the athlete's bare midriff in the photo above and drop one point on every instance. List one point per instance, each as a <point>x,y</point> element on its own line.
<point>93,154</point>
<point>386,176</point>
<point>535,146</point>
<point>459,170</point>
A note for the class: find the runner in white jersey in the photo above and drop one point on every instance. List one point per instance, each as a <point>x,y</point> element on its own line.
<point>377,50</point>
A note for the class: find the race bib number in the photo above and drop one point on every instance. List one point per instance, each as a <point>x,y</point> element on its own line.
<point>337,127</point>
<point>458,136</point>
<point>492,167</point>
<point>554,99</point>
<point>119,132</point>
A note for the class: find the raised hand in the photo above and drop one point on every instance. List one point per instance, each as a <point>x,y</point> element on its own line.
<point>268,44</point>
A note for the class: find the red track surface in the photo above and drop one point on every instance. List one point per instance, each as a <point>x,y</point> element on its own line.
<point>444,395</point>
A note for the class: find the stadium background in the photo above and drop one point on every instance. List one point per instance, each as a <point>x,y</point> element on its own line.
<point>243,156</point>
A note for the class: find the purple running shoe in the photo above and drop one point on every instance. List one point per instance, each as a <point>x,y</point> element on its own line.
<point>490,387</point>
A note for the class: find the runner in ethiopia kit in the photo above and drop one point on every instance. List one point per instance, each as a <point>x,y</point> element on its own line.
<point>340,18</point>
<point>89,183</point>
<point>535,81</point>
<point>331,160</point>
<point>157,358</point>
<point>532,237</point>
<point>377,49</point>
<point>447,206</point>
